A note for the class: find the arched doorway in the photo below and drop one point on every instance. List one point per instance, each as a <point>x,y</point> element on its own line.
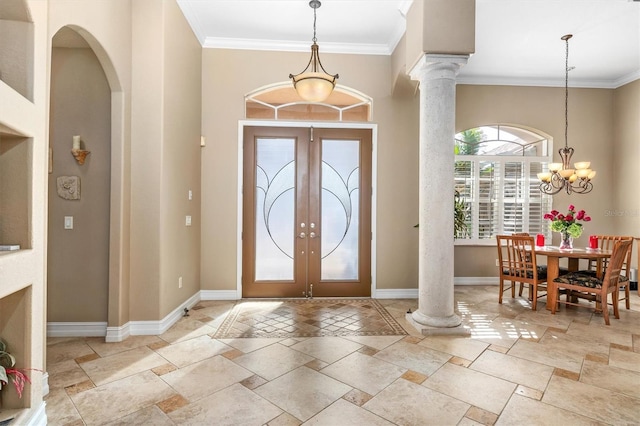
<point>85,217</point>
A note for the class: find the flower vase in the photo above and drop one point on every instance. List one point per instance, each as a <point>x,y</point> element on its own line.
<point>566,241</point>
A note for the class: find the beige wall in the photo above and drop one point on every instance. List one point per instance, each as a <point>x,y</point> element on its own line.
<point>78,259</point>
<point>542,108</point>
<point>625,208</point>
<point>182,89</point>
<point>227,76</point>
<point>151,60</point>
<point>165,154</point>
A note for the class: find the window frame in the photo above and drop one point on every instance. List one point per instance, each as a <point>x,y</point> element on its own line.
<point>530,181</point>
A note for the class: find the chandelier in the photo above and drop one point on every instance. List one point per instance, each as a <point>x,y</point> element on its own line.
<point>560,175</point>
<point>314,84</point>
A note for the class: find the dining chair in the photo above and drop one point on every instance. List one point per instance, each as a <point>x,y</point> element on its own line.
<point>594,288</point>
<point>517,264</point>
<point>606,242</point>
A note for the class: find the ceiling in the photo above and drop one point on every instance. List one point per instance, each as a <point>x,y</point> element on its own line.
<point>517,41</point>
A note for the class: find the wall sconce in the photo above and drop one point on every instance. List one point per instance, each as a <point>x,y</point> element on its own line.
<point>78,154</point>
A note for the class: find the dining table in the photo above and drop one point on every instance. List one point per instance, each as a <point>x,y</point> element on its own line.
<point>554,254</point>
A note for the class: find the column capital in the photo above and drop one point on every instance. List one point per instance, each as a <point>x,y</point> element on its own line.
<point>432,66</point>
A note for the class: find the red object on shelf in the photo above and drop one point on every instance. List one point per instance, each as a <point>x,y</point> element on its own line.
<point>593,242</point>
<point>540,240</point>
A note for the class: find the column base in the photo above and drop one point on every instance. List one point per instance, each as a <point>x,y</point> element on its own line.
<point>429,326</point>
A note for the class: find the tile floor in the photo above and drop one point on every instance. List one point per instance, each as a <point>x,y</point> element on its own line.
<point>516,367</point>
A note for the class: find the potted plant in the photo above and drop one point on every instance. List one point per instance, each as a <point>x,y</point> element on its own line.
<point>9,372</point>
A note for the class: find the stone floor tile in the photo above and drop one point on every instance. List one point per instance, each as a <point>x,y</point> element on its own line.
<point>376,342</point>
<point>285,419</point>
<point>122,364</point>
<point>272,361</point>
<point>513,369</point>
<point>625,359</point>
<point>481,416</point>
<point>344,413</point>
<point>250,345</point>
<point>205,377</point>
<point>327,349</point>
<point>415,357</point>
<point>463,347</point>
<point>172,403</point>
<point>317,393</point>
<point>151,415</point>
<point>193,350</point>
<point>612,378</point>
<point>405,403</point>
<point>475,388</point>
<point>231,406</point>
<point>366,373</point>
<point>591,401</point>
<point>105,349</point>
<point>521,410</point>
<point>357,397</point>
<point>121,397</point>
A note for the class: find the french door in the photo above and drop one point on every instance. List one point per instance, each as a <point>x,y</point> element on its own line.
<point>306,212</point>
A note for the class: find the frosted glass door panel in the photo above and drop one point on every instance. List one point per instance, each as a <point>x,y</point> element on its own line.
<point>275,209</point>
<point>340,209</point>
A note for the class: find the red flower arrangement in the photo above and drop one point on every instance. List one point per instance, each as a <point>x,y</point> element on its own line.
<point>568,223</point>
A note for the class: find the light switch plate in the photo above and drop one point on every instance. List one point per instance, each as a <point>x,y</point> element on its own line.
<point>187,221</point>
<point>68,222</point>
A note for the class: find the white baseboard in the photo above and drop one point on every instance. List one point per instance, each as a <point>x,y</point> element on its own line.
<point>118,334</point>
<point>154,328</point>
<point>76,329</point>
<point>476,281</point>
<point>45,383</point>
<point>412,293</point>
<point>395,293</point>
<point>39,416</point>
<point>220,295</point>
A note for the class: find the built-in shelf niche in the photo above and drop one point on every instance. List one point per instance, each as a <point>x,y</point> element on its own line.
<point>15,329</point>
<point>16,47</point>
<point>15,190</point>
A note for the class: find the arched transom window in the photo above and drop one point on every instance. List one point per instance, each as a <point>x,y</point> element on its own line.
<point>496,175</point>
<point>281,102</point>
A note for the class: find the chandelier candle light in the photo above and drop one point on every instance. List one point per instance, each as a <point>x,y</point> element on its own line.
<point>567,225</point>
<point>561,175</point>
<point>314,84</point>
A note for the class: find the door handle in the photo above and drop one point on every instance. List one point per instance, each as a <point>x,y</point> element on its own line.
<point>302,235</point>
<point>312,235</point>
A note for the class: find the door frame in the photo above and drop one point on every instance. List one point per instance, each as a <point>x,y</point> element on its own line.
<point>306,124</point>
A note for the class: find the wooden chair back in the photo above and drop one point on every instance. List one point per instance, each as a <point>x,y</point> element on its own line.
<point>619,255</point>
<point>517,264</point>
<point>606,242</point>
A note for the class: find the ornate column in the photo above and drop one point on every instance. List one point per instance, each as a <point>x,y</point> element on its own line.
<point>437,77</point>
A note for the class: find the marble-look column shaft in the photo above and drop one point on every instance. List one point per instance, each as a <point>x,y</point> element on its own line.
<point>437,77</point>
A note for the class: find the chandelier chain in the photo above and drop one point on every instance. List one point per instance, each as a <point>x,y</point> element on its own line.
<point>566,95</point>
<point>314,39</point>
<point>562,175</point>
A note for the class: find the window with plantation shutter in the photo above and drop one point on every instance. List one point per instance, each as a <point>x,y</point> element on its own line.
<point>496,175</point>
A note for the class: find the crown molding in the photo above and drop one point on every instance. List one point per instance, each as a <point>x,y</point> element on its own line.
<point>537,82</point>
<point>295,46</point>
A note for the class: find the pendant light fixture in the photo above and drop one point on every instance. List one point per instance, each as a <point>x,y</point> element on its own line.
<point>314,84</point>
<point>560,175</point>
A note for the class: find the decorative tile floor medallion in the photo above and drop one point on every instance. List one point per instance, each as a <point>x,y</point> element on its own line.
<point>308,318</point>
